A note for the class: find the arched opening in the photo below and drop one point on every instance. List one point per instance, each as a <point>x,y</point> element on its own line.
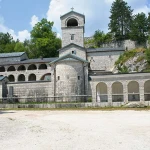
<point>32,77</point>
<point>2,69</point>
<point>117,92</point>
<point>147,90</point>
<point>11,78</point>
<point>21,77</point>
<point>21,68</point>
<point>43,67</point>
<point>72,23</point>
<point>102,92</point>
<point>11,68</point>
<point>133,91</point>
<point>46,77</point>
<point>32,67</point>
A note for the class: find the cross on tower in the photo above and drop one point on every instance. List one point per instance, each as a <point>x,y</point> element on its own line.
<point>72,8</point>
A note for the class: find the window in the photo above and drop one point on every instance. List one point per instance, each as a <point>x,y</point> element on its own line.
<point>72,36</point>
<point>78,77</point>
<point>58,77</point>
<point>73,52</point>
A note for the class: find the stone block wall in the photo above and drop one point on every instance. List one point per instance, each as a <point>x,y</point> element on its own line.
<point>103,60</point>
<point>70,78</point>
<point>80,52</point>
<point>32,89</point>
<point>78,36</point>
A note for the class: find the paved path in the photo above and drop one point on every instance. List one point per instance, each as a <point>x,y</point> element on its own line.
<point>74,130</point>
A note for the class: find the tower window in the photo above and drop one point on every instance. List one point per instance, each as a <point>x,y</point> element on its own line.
<point>72,36</point>
<point>72,22</point>
<point>58,77</point>
<point>78,77</point>
<point>73,52</point>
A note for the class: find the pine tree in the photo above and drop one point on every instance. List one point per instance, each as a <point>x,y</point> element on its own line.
<point>139,28</point>
<point>120,20</point>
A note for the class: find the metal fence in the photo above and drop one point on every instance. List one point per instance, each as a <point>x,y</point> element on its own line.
<point>40,100</point>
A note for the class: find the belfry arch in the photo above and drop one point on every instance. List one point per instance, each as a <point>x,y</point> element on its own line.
<point>72,22</point>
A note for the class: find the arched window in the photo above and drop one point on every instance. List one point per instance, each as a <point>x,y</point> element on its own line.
<point>117,92</point>
<point>11,78</point>
<point>32,67</point>
<point>72,22</point>
<point>21,68</point>
<point>133,91</point>
<point>2,69</point>
<point>21,77</point>
<point>42,67</point>
<point>147,90</point>
<point>11,68</point>
<point>46,77</point>
<point>102,92</point>
<point>32,77</point>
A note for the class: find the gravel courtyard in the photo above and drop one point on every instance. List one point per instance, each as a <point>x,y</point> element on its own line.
<point>74,130</point>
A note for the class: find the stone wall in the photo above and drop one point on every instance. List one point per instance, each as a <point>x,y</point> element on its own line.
<point>103,60</point>
<point>80,52</point>
<point>78,36</point>
<point>126,44</point>
<point>124,79</point>
<point>25,90</point>
<point>70,78</point>
<point>39,73</point>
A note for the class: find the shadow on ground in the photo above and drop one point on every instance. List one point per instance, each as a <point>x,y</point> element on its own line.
<point>6,112</point>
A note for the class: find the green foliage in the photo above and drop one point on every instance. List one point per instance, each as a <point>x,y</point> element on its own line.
<point>120,19</point>
<point>19,47</point>
<point>147,53</point>
<point>44,39</point>
<point>125,56</point>
<point>122,69</point>
<point>100,37</point>
<point>139,28</point>
<point>140,58</point>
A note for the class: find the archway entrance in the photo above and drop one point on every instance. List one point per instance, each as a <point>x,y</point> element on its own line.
<point>117,92</point>
<point>133,91</point>
<point>102,92</point>
<point>147,90</point>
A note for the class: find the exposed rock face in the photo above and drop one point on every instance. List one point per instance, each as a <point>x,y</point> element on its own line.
<point>138,63</point>
<point>135,105</point>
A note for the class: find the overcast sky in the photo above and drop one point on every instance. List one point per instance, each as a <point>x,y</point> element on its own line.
<point>19,16</point>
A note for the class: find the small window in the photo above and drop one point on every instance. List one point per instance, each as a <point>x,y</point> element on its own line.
<point>73,52</point>
<point>58,77</point>
<point>78,77</point>
<point>72,36</point>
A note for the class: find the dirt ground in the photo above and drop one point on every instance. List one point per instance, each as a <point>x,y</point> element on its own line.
<point>74,130</point>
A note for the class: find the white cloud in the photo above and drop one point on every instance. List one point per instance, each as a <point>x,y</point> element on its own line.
<point>34,20</point>
<point>96,12</point>
<point>21,35</point>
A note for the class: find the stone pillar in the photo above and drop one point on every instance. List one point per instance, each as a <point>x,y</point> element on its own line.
<point>141,90</point>
<point>109,93</point>
<point>125,91</point>
<point>94,94</point>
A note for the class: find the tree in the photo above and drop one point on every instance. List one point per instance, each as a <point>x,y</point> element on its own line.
<point>100,38</point>
<point>7,43</point>
<point>120,20</point>
<point>44,40</point>
<point>139,28</point>
<point>19,47</point>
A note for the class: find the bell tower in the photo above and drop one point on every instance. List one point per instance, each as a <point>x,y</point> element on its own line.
<point>72,25</point>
